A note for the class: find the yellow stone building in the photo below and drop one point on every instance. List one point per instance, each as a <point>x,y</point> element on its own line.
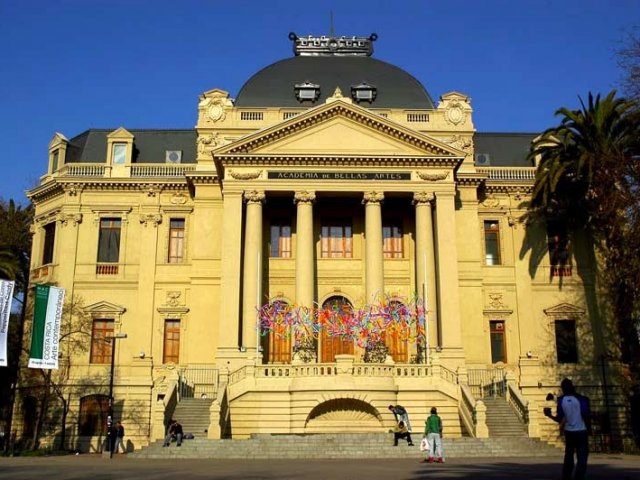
<point>331,181</point>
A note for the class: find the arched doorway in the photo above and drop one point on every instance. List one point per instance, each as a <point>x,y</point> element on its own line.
<point>335,309</point>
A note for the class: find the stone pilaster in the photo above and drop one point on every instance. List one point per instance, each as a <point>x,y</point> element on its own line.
<point>448,283</point>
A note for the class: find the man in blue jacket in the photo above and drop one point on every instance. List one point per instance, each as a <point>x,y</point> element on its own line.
<point>573,415</point>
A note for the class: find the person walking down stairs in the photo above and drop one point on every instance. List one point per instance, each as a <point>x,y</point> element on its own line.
<point>433,434</point>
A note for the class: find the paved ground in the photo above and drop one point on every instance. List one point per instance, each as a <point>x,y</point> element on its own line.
<point>94,467</point>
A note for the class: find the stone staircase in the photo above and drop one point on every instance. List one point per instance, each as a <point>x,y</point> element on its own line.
<point>193,414</point>
<point>346,445</point>
<point>502,421</point>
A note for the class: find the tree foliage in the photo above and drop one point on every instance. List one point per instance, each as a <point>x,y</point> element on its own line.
<point>588,177</point>
<point>629,61</point>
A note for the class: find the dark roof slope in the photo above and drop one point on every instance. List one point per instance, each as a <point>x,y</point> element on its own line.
<point>149,146</point>
<point>504,149</point>
<point>273,86</point>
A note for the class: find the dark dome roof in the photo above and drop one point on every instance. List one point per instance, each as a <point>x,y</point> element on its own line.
<point>273,86</point>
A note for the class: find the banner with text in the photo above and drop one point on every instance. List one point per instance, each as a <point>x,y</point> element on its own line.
<point>47,317</point>
<point>6,296</point>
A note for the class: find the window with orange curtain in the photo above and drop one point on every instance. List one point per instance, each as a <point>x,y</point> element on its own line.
<point>336,240</point>
<point>392,240</point>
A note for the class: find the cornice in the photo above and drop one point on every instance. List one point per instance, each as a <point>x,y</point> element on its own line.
<point>337,161</point>
<point>520,188</point>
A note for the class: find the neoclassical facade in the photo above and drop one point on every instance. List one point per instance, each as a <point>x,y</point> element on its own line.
<point>331,183</point>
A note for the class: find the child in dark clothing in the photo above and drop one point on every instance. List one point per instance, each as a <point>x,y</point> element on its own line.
<point>401,432</point>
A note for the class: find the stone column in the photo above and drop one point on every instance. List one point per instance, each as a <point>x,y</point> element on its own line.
<point>304,248</point>
<point>374,270</point>
<point>448,284</point>
<point>252,275</point>
<point>425,259</point>
<point>230,281</point>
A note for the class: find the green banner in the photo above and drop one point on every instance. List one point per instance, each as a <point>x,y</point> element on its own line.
<point>45,333</point>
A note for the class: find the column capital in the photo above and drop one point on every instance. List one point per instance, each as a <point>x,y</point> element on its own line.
<point>423,197</point>
<point>373,197</point>
<point>254,196</point>
<point>304,196</point>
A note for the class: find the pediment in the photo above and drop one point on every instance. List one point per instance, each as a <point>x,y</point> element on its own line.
<point>564,310</point>
<point>105,307</point>
<point>339,129</point>
<point>57,139</point>
<point>121,133</point>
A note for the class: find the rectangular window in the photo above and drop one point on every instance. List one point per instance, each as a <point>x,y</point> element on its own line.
<point>566,345</point>
<point>176,240</point>
<point>100,344</point>
<point>109,240</point>
<point>498,350</point>
<point>491,242</point>
<point>49,242</point>
<point>336,240</point>
<point>119,154</point>
<point>559,249</point>
<point>171,350</point>
<point>392,240</point>
<point>55,159</point>
<point>280,240</point>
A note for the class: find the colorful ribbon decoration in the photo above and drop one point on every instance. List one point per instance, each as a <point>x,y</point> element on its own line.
<point>366,325</point>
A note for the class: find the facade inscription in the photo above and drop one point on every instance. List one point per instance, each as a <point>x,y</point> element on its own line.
<point>339,176</point>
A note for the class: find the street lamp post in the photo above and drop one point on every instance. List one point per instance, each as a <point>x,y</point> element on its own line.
<point>110,440</point>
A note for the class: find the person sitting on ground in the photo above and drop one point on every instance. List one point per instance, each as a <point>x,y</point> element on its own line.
<point>401,432</point>
<point>174,431</point>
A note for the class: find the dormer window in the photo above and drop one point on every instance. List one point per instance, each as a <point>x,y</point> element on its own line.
<point>364,92</point>
<point>55,158</point>
<point>307,91</point>
<point>119,155</point>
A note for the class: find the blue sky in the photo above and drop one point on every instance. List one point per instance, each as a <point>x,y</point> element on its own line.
<point>70,65</point>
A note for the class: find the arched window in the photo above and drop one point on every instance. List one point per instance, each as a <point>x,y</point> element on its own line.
<point>396,337</point>
<point>276,344</point>
<point>334,309</point>
<point>94,410</point>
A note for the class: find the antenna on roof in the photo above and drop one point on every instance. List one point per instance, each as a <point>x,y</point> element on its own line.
<point>332,32</point>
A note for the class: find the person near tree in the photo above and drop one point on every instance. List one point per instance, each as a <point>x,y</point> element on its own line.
<point>574,416</point>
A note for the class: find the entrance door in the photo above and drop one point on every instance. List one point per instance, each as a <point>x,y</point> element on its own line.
<point>336,309</point>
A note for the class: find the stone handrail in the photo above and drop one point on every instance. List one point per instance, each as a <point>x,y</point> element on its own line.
<point>83,170</point>
<point>160,170</point>
<point>331,369</point>
<point>448,375</point>
<point>163,408</point>
<point>473,413</point>
<point>519,174</point>
<point>525,409</point>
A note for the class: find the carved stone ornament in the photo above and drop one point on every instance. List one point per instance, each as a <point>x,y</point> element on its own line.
<point>173,298</point>
<point>207,142</point>
<point>245,175</point>
<point>304,197</point>
<point>70,218</point>
<point>373,197</point>
<point>152,191</point>
<point>432,177</point>
<point>72,190</point>
<point>461,143</point>
<point>455,114</point>
<point>495,301</point>
<point>178,199</point>
<point>150,218</point>
<point>423,197</point>
<point>491,201</point>
<point>254,196</point>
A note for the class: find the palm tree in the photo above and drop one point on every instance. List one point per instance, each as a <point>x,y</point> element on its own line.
<point>588,178</point>
<point>587,175</point>
<point>8,264</point>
